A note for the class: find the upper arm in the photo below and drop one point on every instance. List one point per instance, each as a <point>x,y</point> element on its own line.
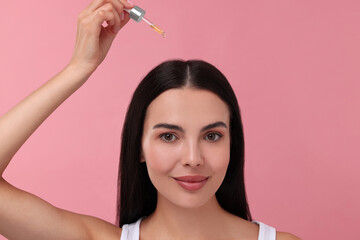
<point>26,216</point>
<point>286,236</point>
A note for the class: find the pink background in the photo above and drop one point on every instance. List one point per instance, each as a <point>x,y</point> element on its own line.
<point>294,66</point>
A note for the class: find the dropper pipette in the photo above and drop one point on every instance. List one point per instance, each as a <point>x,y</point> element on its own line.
<point>138,13</point>
<point>156,28</point>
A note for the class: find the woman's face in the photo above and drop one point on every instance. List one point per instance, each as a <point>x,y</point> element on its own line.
<point>186,145</point>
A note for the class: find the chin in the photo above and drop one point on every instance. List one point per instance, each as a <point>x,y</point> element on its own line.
<point>188,200</point>
<point>191,203</point>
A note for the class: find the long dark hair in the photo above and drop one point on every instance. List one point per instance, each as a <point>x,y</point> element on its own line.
<point>136,196</point>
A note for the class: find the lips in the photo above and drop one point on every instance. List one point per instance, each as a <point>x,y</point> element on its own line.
<point>191,183</point>
<point>195,178</point>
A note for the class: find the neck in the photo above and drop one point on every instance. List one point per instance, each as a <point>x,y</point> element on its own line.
<point>203,222</point>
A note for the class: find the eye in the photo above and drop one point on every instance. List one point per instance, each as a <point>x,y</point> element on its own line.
<point>168,137</point>
<point>212,137</point>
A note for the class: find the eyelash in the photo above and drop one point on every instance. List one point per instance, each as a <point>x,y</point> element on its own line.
<point>218,135</point>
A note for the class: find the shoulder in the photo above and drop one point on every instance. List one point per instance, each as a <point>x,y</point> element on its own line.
<point>100,229</point>
<point>286,236</point>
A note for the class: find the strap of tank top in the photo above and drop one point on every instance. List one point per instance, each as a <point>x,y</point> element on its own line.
<point>266,232</point>
<point>131,231</point>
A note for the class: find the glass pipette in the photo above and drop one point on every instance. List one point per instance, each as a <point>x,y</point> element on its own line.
<point>156,28</point>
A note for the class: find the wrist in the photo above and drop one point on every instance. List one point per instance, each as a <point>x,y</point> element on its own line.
<point>86,69</point>
<point>82,71</point>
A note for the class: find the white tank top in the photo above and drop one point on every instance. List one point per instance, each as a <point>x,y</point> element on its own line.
<point>132,231</point>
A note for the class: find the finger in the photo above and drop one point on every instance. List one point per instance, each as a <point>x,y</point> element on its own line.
<point>125,21</point>
<point>115,4</point>
<point>119,5</point>
<point>113,24</point>
<point>127,4</point>
<point>108,7</point>
<point>95,5</point>
<point>117,21</point>
<point>101,15</point>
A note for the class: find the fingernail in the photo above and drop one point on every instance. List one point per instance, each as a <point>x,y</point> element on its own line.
<point>131,2</point>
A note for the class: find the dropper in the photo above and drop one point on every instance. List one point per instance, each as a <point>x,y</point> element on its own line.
<point>137,14</point>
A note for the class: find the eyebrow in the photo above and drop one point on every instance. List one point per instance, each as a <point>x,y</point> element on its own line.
<point>178,128</point>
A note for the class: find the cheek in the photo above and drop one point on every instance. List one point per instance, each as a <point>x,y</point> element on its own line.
<point>220,163</point>
<point>218,159</point>
<point>161,158</point>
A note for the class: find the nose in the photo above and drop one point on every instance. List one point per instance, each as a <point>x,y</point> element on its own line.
<point>192,155</point>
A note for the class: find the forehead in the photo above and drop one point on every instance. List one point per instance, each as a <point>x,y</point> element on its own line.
<point>187,106</point>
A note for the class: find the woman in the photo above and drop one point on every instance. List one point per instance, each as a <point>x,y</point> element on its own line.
<point>181,157</point>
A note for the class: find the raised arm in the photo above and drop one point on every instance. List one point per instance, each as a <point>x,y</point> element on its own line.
<point>23,215</point>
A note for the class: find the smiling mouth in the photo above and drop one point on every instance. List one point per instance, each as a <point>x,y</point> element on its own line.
<point>191,178</point>
<point>192,183</point>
